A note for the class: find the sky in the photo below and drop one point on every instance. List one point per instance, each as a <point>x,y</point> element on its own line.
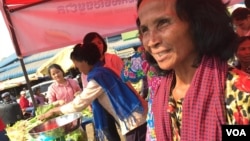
<point>6,46</point>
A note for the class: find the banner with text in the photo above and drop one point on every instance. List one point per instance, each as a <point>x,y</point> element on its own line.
<point>56,24</point>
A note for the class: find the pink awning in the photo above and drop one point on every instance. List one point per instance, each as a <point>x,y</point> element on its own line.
<point>58,23</point>
<point>52,24</point>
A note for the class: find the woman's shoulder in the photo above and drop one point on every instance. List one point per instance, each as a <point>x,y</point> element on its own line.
<point>110,56</point>
<point>52,86</point>
<point>72,81</point>
<point>237,96</point>
<point>75,84</point>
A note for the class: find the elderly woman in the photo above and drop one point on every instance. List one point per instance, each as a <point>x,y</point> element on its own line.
<point>191,41</point>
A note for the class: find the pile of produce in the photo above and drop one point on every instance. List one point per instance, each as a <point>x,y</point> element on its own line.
<point>19,131</point>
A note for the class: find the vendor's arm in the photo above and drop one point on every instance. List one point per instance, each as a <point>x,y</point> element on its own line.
<point>89,94</point>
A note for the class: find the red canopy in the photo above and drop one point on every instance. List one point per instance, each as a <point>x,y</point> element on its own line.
<point>8,2</point>
<point>51,24</point>
<point>31,1</point>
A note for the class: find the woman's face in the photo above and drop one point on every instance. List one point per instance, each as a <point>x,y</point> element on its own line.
<point>243,52</point>
<point>38,91</point>
<point>97,41</point>
<point>82,66</point>
<point>164,35</point>
<point>56,74</point>
<point>242,24</point>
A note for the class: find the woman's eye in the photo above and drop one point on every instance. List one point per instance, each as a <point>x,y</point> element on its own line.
<point>163,22</point>
<point>143,30</point>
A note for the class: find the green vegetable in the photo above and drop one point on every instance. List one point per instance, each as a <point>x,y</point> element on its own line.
<point>77,135</point>
<point>87,113</point>
<point>43,109</point>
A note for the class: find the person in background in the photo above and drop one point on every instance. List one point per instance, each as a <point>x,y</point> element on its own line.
<point>107,93</point>
<point>111,61</point>
<point>25,105</point>
<point>3,136</point>
<point>7,98</point>
<point>199,91</point>
<point>62,89</point>
<point>241,20</point>
<point>247,3</point>
<point>243,54</point>
<point>139,68</point>
<point>39,97</point>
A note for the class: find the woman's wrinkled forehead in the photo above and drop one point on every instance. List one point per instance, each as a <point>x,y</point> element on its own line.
<point>162,7</point>
<point>147,5</point>
<point>149,2</point>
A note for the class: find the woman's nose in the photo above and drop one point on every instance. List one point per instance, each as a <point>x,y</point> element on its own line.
<point>153,40</point>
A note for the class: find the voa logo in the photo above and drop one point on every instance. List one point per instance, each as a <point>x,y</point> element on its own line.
<point>236,132</point>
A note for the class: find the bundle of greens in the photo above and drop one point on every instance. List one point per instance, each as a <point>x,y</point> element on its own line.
<point>19,131</point>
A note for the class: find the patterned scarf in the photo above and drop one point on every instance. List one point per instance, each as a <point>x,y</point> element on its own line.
<point>122,98</point>
<point>203,107</point>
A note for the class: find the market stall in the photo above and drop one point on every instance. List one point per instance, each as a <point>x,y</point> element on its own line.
<point>61,128</point>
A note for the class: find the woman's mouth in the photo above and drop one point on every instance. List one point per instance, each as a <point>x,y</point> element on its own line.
<point>160,56</point>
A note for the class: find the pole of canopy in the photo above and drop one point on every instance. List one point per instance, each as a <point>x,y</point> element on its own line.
<point>6,15</point>
<point>27,82</point>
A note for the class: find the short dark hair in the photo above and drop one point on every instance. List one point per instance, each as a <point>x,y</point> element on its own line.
<point>89,37</point>
<point>87,52</point>
<point>240,13</point>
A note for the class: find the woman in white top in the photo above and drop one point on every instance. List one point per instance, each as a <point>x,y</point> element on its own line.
<point>107,93</point>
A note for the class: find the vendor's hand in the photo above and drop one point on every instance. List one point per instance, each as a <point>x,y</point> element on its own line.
<point>58,103</point>
<point>46,115</point>
<point>77,93</point>
<point>51,113</point>
<point>89,108</point>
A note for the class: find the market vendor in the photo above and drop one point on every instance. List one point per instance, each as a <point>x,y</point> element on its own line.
<point>107,94</point>
<point>3,136</point>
